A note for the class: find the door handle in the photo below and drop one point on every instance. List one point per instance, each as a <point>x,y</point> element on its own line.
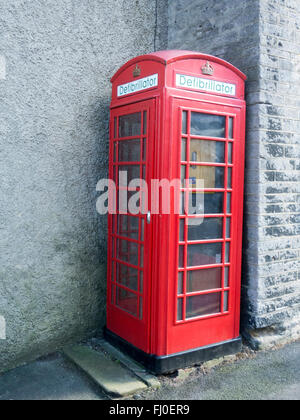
<point>149,217</point>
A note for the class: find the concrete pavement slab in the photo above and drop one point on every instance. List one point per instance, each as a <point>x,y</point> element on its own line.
<point>109,375</point>
<point>136,368</point>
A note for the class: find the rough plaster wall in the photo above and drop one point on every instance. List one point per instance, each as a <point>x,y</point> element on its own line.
<point>54,111</point>
<point>262,38</point>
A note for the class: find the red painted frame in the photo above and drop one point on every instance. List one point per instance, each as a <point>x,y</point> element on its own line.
<point>137,327</point>
<point>159,332</point>
<point>209,329</point>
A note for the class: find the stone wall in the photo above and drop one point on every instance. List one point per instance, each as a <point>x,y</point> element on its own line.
<point>56,60</point>
<point>262,38</point>
<point>273,219</point>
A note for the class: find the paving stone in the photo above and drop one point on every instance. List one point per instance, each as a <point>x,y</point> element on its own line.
<point>136,368</point>
<point>109,375</point>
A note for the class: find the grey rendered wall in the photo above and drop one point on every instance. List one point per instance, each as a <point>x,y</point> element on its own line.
<point>262,38</point>
<point>54,110</point>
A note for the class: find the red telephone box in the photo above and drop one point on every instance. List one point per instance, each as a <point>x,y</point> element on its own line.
<point>174,276</point>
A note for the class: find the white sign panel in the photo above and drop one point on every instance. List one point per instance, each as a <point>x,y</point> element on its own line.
<point>138,85</point>
<point>199,83</point>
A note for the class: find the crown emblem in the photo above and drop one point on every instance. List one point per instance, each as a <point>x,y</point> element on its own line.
<point>137,71</point>
<point>208,69</point>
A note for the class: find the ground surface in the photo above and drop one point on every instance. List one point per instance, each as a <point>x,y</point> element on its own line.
<point>50,378</point>
<point>271,375</point>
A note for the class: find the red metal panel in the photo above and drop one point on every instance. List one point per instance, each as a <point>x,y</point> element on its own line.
<point>219,327</point>
<point>159,332</point>
<point>216,328</point>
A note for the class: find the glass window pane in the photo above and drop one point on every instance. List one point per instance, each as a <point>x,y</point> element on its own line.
<point>204,254</point>
<point>228,202</point>
<point>141,281</point>
<point>127,252</point>
<point>226,277</point>
<point>142,229</point>
<point>183,176</point>
<point>207,125</point>
<point>230,153</point>
<point>134,202</point>
<point>213,203</point>
<point>182,203</point>
<point>129,150</point>
<point>219,180</point>
<point>228,227</point>
<point>212,176</point>
<point>114,223</point>
<point>130,125</point>
<point>115,127</point>
<point>127,276</point>
<point>230,128</point>
<point>181,230</point>
<point>113,247</point>
<point>207,151</point>
<point>184,122</point>
<point>127,301</point>
<point>196,203</point>
<point>208,228</point>
<point>145,122</point>
<point>194,156</point>
<point>179,310</point>
<point>142,256</point>
<point>200,280</point>
<point>229,181</point>
<point>115,151</point>
<point>115,174</point>
<point>203,305</point>
<point>194,181</point>
<point>181,256</point>
<point>128,226</point>
<point>183,150</point>
<point>225,306</point>
<point>180,283</point>
<point>227,252</point>
<point>127,173</point>
<point>144,149</point>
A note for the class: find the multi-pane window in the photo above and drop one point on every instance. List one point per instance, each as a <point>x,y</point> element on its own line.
<point>205,233</point>
<point>129,157</point>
